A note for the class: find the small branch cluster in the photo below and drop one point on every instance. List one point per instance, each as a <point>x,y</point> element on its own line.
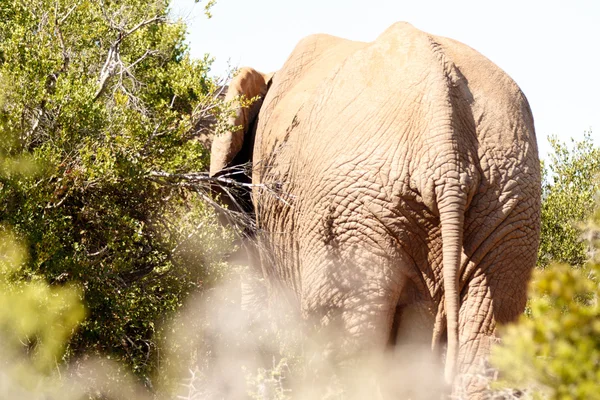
<point>204,185</point>
<point>211,113</point>
<point>114,65</point>
<point>226,184</point>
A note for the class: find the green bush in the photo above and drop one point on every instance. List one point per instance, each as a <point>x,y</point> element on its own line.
<point>98,97</point>
<point>554,350</point>
<point>36,321</point>
<point>568,191</point>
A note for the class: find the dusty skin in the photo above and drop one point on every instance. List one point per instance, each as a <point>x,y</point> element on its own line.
<point>397,195</point>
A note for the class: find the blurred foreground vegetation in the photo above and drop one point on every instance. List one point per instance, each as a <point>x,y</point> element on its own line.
<point>99,101</point>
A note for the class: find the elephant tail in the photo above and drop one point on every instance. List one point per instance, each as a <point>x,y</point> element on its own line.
<point>451,206</point>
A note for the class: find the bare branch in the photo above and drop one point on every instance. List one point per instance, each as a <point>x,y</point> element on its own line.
<point>36,116</point>
<point>109,18</point>
<point>127,69</point>
<point>202,184</point>
<point>62,20</point>
<point>188,237</point>
<point>100,252</point>
<point>57,24</point>
<point>113,61</point>
<point>202,177</point>
<point>240,221</point>
<point>108,69</point>
<point>157,18</point>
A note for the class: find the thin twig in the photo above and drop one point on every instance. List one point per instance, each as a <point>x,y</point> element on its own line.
<point>62,20</point>
<point>157,18</point>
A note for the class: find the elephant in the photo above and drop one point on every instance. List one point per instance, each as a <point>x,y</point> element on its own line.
<point>395,189</point>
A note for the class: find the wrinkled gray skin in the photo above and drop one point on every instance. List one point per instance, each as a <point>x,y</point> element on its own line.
<point>398,190</point>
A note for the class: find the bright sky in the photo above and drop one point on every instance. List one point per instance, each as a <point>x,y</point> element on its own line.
<point>551,48</point>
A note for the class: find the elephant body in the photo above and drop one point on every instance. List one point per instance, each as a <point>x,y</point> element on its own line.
<point>396,191</point>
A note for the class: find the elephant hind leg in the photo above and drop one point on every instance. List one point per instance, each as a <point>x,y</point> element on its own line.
<point>496,294</point>
<point>355,308</point>
<point>412,370</point>
<point>351,301</point>
<point>413,324</point>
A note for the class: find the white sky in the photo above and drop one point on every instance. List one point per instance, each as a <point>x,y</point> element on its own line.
<point>551,48</point>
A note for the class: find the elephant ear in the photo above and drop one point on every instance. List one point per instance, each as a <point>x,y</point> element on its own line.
<point>248,83</point>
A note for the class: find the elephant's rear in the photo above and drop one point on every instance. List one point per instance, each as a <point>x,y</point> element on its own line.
<point>354,180</point>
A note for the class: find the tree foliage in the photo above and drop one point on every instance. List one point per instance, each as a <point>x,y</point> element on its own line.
<point>568,192</point>
<point>97,97</point>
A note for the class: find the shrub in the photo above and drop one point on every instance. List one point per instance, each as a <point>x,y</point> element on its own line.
<point>100,97</point>
<point>568,192</point>
<point>556,350</point>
